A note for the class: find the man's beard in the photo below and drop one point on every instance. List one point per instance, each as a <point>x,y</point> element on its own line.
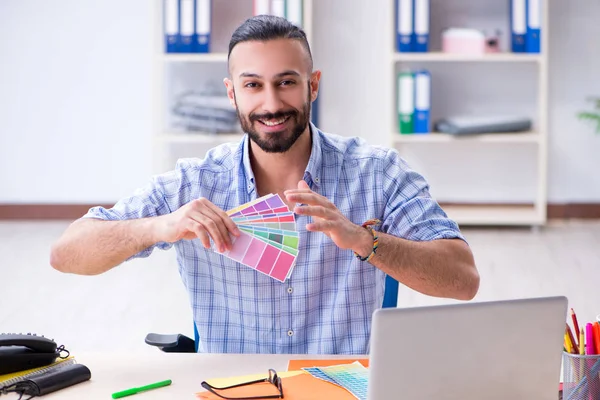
<point>277,142</point>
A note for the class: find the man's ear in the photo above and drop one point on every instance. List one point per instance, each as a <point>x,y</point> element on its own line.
<point>229,85</point>
<point>315,78</point>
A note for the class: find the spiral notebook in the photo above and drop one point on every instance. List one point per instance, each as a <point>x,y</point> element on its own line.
<point>14,377</point>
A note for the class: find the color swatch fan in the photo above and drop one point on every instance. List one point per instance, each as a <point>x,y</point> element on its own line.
<point>269,241</point>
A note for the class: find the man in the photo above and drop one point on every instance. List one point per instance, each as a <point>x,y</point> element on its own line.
<point>333,184</point>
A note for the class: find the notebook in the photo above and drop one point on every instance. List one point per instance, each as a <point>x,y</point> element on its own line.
<point>14,377</point>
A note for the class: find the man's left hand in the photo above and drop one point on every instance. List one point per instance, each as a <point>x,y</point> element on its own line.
<point>329,220</point>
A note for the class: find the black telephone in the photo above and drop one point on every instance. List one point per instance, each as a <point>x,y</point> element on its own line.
<point>19,352</point>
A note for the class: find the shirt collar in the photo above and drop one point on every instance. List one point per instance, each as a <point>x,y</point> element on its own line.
<point>312,174</point>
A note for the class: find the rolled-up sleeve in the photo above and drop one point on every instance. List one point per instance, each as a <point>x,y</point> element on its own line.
<point>159,197</point>
<point>410,212</point>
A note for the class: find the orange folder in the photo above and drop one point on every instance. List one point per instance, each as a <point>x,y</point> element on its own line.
<point>294,365</point>
<point>297,387</point>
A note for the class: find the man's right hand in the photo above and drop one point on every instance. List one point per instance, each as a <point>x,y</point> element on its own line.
<point>198,219</point>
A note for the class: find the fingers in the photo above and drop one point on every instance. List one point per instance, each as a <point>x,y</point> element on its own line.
<point>213,223</point>
<point>322,225</point>
<point>198,229</point>
<point>229,224</point>
<point>215,228</point>
<point>309,198</point>
<point>303,185</point>
<point>314,211</point>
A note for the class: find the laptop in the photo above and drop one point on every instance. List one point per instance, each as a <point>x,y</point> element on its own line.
<point>497,350</point>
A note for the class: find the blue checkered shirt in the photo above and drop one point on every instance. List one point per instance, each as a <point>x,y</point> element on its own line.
<point>325,307</point>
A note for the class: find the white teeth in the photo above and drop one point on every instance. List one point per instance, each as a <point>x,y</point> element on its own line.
<point>273,123</point>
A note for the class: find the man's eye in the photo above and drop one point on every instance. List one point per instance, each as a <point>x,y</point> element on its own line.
<point>251,85</point>
<point>287,83</point>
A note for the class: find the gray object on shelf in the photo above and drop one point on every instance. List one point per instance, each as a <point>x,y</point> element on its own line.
<point>206,112</point>
<point>470,125</point>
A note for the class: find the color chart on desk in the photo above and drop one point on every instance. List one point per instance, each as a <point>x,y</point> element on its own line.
<point>269,241</point>
<point>352,377</point>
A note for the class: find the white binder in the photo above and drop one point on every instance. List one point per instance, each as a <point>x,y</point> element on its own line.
<point>278,8</point>
<point>293,12</point>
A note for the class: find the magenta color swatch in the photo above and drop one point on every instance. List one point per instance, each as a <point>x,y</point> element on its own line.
<point>282,266</point>
<point>249,210</point>
<point>267,260</point>
<point>262,206</point>
<point>254,253</point>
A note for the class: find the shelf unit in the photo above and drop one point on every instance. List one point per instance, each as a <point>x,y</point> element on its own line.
<point>474,213</point>
<point>170,144</point>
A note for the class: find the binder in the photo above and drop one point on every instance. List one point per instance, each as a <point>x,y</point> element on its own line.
<point>278,8</point>
<point>518,25</point>
<point>406,106</point>
<point>404,25</point>
<point>293,12</point>
<point>534,16</point>
<point>186,26</point>
<point>421,26</point>
<point>262,7</point>
<point>171,25</point>
<point>422,101</point>
<point>203,26</point>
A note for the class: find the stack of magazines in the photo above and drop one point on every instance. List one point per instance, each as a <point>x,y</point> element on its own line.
<point>206,112</point>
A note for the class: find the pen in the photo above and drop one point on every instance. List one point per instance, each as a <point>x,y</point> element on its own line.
<point>136,390</point>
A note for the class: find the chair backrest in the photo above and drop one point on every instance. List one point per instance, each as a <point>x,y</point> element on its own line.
<point>390,300</point>
<point>390,296</point>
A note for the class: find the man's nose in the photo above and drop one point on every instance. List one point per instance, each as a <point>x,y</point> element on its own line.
<point>272,101</point>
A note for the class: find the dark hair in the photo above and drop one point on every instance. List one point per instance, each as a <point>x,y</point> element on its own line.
<point>268,27</point>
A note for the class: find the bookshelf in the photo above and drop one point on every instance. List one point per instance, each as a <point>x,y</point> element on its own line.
<point>448,73</point>
<point>174,73</point>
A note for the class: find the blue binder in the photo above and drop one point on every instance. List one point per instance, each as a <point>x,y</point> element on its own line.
<point>518,25</point>
<point>421,26</point>
<point>186,26</point>
<point>404,25</point>
<point>422,101</point>
<point>171,25</point>
<point>534,16</point>
<point>203,25</point>
<point>314,108</point>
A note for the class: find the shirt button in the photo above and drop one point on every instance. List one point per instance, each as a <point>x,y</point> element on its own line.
<point>290,290</point>
<point>317,180</point>
<point>290,332</point>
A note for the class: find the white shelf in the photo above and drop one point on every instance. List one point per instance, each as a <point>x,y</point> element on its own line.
<point>436,137</point>
<point>488,57</point>
<point>503,64</point>
<point>199,137</point>
<point>494,214</point>
<point>195,57</point>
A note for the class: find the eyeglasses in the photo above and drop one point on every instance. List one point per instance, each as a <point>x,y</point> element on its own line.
<point>273,379</point>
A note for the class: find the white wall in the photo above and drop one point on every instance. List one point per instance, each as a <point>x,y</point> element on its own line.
<point>75,99</point>
<point>75,96</point>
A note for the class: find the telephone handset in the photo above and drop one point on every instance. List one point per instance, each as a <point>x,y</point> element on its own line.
<point>19,352</point>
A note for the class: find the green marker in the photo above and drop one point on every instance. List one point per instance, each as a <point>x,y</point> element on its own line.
<point>131,391</point>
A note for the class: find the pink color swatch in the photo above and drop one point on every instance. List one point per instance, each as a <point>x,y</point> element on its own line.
<point>256,252</point>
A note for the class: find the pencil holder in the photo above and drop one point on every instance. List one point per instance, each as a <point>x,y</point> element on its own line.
<point>581,377</point>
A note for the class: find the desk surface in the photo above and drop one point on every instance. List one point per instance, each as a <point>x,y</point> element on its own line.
<point>115,372</point>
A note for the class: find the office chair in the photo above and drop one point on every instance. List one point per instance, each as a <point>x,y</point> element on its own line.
<point>179,343</point>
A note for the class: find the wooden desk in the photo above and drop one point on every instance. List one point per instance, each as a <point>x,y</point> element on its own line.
<point>115,372</point>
